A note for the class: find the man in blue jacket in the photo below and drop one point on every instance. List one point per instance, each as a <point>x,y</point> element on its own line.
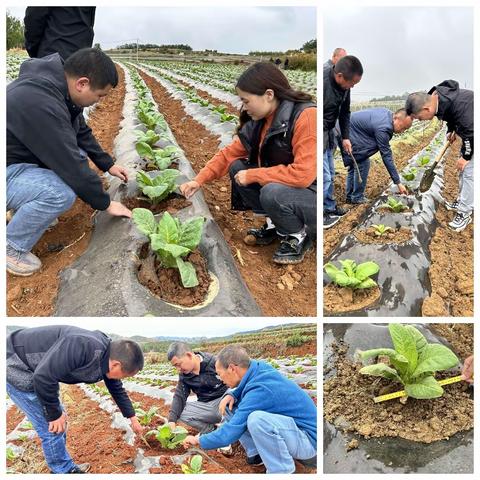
<point>370,132</point>
<point>39,359</point>
<point>448,102</point>
<point>271,416</point>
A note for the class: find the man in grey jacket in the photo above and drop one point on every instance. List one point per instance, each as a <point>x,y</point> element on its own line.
<point>39,359</point>
<point>197,374</point>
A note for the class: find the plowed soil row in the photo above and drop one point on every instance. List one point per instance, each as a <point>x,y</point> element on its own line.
<point>279,290</point>
<point>60,246</point>
<point>451,269</point>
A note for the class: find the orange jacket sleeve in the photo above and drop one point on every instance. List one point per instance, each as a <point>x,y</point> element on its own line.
<point>303,171</point>
<point>218,166</point>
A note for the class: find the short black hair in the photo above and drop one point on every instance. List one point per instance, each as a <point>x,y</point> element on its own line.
<point>93,64</point>
<point>349,66</point>
<point>416,101</point>
<point>128,353</point>
<point>177,349</point>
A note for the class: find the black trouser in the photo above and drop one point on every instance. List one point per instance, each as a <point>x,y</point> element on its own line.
<point>290,208</point>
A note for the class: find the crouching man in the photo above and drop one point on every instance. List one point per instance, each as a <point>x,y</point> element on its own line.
<point>274,419</point>
<point>196,374</point>
<point>38,359</point>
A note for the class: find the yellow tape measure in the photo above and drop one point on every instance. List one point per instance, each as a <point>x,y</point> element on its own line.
<point>402,393</point>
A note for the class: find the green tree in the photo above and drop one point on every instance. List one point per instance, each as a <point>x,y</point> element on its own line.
<point>310,46</point>
<point>15,37</point>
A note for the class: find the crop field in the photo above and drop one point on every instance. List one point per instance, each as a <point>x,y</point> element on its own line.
<point>99,435</point>
<point>401,244</point>
<point>163,122</point>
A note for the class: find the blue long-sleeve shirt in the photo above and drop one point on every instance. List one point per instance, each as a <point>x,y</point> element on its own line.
<point>370,132</point>
<point>263,388</point>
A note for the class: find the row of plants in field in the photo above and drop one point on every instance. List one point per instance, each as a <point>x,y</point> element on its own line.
<point>13,62</point>
<point>193,97</point>
<point>170,239</point>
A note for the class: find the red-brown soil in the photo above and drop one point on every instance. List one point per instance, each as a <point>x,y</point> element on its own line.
<point>63,244</point>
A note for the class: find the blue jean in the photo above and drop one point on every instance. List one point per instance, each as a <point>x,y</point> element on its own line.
<point>329,204</point>
<point>277,439</point>
<point>54,444</point>
<point>38,196</point>
<point>355,188</point>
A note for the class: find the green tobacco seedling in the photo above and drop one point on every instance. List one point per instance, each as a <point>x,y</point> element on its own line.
<point>413,362</point>
<point>352,275</point>
<point>159,187</point>
<point>168,437</point>
<point>394,205</point>
<point>381,229</point>
<point>171,240</point>
<point>423,161</point>
<point>410,174</point>
<point>195,466</point>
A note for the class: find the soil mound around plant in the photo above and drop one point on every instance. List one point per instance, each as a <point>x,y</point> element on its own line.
<point>349,405</point>
<point>166,282</point>
<point>342,300</point>
<point>397,236</point>
<point>390,212</point>
<point>172,204</point>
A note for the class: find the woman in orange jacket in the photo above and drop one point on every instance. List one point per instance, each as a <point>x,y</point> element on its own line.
<point>272,162</point>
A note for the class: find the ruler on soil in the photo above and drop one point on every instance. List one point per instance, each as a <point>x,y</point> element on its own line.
<point>402,393</point>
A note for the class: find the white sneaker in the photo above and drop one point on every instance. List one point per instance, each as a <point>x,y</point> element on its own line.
<point>460,221</point>
<point>452,206</point>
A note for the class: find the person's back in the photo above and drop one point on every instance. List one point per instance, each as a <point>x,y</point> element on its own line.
<point>62,30</point>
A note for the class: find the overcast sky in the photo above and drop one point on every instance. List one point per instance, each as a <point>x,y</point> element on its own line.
<point>403,49</point>
<point>161,327</point>
<point>226,29</point>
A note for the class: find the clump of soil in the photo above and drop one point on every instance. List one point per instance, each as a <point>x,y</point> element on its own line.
<point>452,252</point>
<point>368,235</point>
<point>458,335</point>
<point>166,282</point>
<point>341,300</point>
<point>172,204</point>
<point>349,405</point>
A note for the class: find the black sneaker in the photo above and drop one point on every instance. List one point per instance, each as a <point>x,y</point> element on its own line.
<point>329,221</point>
<point>291,250</point>
<point>82,468</point>
<point>261,236</point>
<point>256,460</point>
<point>308,462</point>
<point>338,212</point>
<point>358,202</point>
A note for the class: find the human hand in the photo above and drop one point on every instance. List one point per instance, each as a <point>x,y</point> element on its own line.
<point>467,371</point>
<point>59,425</point>
<point>402,189</point>
<point>172,425</point>
<point>241,178</point>
<point>451,136</point>
<point>116,209</point>
<point>227,401</point>
<point>119,172</point>
<point>189,188</point>
<point>191,440</point>
<point>347,146</point>
<point>136,427</point>
<point>461,164</point>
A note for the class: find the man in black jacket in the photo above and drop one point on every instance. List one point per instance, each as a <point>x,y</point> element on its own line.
<point>448,102</point>
<point>58,29</point>
<point>47,147</point>
<point>197,374</point>
<point>39,359</point>
<point>337,82</point>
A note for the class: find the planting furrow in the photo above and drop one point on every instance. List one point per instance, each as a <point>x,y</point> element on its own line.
<point>403,277</point>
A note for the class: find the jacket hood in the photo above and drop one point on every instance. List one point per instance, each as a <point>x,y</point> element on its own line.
<point>49,68</point>
<point>447,91</point>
